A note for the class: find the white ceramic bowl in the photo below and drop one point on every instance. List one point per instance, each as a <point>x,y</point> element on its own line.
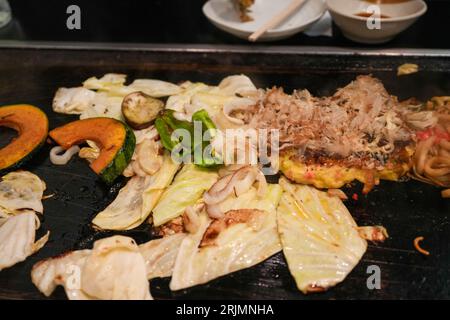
<point>222,14</point>
<point>400,15</point>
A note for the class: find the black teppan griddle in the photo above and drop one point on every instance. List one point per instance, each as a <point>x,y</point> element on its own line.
<point>31,73</point>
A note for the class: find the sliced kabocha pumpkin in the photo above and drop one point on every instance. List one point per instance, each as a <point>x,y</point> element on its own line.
<point>31,124</point>
<point>115,139</point>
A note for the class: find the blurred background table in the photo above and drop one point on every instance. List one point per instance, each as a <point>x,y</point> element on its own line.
<point>182,22</point>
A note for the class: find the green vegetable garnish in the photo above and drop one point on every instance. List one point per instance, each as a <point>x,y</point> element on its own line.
<point>166,124</point>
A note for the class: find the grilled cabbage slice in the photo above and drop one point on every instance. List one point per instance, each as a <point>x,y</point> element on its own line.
<point>137,199</point>
<point>21,190</point>
<point>160,255</point>
<point>245,237</point>
<point>73,100</point>
<point>17,235</point>
<point>197,96</point>
<point>320,239</point>
<point>250,200</point>
<point>63,270</point>
<point>113,270</point>
<point>188,187</point>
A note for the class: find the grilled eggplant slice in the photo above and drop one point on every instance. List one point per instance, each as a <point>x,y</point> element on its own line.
<point>140,110</point>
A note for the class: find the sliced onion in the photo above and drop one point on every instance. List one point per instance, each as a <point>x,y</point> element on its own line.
<point>225,186</point>
<point>64,158</point>
<point>228,109</point>
<point>219,191</point>
<point>214,211</point>
<point>239,182</point>
<point>230,169</point>
<point>262,183</point>
<point>240,104</point>
<point>244,184</point>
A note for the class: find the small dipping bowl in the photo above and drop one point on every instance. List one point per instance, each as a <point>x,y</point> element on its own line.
<point>372,23</point>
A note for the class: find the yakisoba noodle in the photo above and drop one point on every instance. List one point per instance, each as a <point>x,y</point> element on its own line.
<point>432,156</point>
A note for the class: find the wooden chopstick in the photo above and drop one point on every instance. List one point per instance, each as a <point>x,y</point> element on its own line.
<point>277,19</point>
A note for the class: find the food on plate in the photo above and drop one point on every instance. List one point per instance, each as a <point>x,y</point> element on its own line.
<point>417,246</point>
<point>237,86</point>
<point>201,117</point>
<point>216,213</point>
<point>116,268</point>
<point>174,226</point>
<point>173,134</point>
<point>114,85</point>
<point>21,195</point>
<point>31,124</point>
<point>237,90</point>
<point>432,154</point>
<point>113,270</point>
<point>63,270</point>
<point>186,190</point>
<point>337,193</point>
<point>21,190</point>
<point>91,152</point>
<point>320,239</point>
<point>373,233</point>
<point>72,100</point>
<point>147,158</point>
<point>358,133</point>
<point>104,105</point>
<point>61,157</point>
<point>407,68</point>
<point>160,255</point>
<point>102,97</point>
<point>237,182</point>
<point>245,236</point>
<point>108,82</point>
<point>243,9</point>
<point>140,110</point>
<point>17,238</point>
<point>216,247</point>
<point>115,139</point>
<point>136,200</point>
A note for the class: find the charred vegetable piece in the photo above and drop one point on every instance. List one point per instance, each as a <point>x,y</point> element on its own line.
<point>140,110</point>
<point>31,124</point>
<point>116,140</point>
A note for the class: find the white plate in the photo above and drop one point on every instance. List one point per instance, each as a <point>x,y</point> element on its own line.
<point>223,15</point>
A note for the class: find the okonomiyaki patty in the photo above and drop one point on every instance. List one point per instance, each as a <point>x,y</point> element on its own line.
<point>357,134</point>
<point>333,174</point>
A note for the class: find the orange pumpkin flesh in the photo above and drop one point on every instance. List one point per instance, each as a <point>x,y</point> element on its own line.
<point>115,141</point>
<point>31,124</point>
